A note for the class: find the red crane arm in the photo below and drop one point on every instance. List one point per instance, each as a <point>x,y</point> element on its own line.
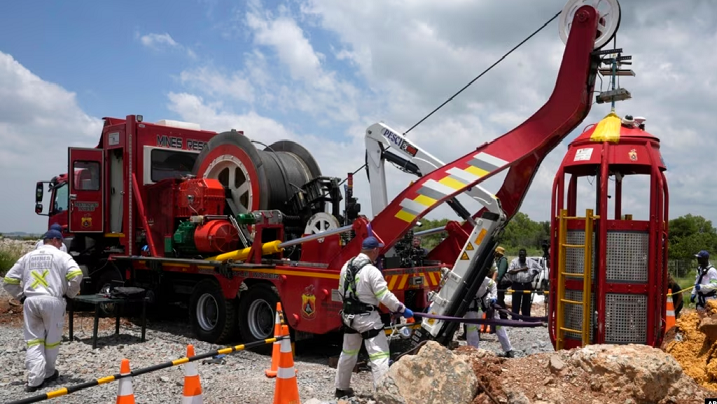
<point>520,150</point>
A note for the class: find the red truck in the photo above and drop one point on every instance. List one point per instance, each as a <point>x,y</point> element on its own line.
<point>197,216</point>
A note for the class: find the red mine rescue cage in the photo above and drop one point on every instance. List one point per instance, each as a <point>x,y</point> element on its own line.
<point>626,259</point>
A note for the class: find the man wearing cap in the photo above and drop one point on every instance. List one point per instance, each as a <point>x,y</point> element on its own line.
<point>39,280</point>
<point>705,281</point>
<point>362,288</point>
<point>57,227</point>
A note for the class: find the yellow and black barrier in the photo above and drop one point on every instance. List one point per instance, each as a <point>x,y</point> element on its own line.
<point>511,291</point>
<point>108,379</point>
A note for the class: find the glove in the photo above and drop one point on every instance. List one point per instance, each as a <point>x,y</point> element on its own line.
<point>692,298</point>
<point>407,313</point>
<point>697,287</point>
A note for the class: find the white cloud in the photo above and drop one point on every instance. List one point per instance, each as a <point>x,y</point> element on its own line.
<point>164,41</point>
<point>38,121</point>
<point>158,40</point>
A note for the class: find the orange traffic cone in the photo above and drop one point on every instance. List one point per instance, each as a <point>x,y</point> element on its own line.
<point>484,327</point>
<point>192,393</point>
<point>670,318</point>
<point>125,395</point>
<point>287,389</point>
<point>277,344</point>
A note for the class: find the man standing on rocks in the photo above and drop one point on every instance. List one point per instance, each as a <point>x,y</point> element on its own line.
<point>705,281</point>
<point>483,302</point>
<point>362,287</point>
<point>39,280</point>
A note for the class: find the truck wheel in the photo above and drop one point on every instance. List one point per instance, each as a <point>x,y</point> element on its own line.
<point>257,314</point>
<point>213,316</point>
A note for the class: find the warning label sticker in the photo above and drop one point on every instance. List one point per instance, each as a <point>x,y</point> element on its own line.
<point>464,257</point>
<point>583,154</point>
<point>469,247</point>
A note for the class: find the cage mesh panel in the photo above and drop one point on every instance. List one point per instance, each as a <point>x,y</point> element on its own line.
<point>574,314</point>
<point>627,256</point>
<point>625,319</point>
<point>574,256</point>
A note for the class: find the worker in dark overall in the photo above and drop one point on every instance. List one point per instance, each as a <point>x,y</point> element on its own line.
<point>362,288</point>
<point>705,281</point>
<point>502,281</point>
<point>677,299</point>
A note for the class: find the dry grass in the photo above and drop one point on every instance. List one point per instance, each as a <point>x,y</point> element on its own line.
<point>9,254</point>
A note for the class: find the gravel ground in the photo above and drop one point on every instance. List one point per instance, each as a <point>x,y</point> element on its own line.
<point>239,379</point>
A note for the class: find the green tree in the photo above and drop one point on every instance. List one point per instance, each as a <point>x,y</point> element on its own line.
<point>522,232</point>
<point>431,240</point>
<point>689,234</point>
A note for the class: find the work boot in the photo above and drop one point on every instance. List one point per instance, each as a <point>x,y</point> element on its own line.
<point>52,377</point>
<point>508,354</point>
<point>344,393</point>
<point>32,389</point>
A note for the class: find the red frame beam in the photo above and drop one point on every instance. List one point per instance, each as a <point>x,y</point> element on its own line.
<point>520,151</point>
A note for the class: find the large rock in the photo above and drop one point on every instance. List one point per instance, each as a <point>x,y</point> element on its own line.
<point>434,376</point>
<point>647,374</point>
<point>595,374</point>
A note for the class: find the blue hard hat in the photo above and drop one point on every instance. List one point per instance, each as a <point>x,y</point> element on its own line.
<point>56,226</point>
<point>370,243</point>
<point>702,254</point>
<point>52,234</point>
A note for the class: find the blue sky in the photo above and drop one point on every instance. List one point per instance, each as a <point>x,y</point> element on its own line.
<point>320,72</point>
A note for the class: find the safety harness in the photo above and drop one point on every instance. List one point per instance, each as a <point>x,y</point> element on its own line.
<point>701,298</point>
<point>478,303</point>
<point>352,306</point>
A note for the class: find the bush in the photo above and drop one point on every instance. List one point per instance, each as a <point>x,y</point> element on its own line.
<point>9,254</point>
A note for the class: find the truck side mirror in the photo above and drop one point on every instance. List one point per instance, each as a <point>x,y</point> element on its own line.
<point>38,193</point>
<point>38,208</point>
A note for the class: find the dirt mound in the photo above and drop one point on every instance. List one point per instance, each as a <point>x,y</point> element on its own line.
<point>595,374</point>
<point>693,343</point>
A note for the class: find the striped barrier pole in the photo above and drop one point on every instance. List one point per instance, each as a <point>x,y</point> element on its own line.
<point>108,379</point>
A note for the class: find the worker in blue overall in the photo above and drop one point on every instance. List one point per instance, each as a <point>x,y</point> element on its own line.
<point>705,281</point>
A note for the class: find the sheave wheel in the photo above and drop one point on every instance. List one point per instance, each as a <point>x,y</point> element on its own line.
<point>213,316</point>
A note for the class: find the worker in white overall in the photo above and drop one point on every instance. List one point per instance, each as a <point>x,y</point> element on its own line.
<point>485,298</point>
<point>57,227</point>
<point>39,280</point>
<point>362,287</point>
<point>705,281</point>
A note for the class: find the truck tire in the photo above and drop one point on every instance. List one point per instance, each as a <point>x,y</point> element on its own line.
<point>257,314</point>
<point>212,315</point>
